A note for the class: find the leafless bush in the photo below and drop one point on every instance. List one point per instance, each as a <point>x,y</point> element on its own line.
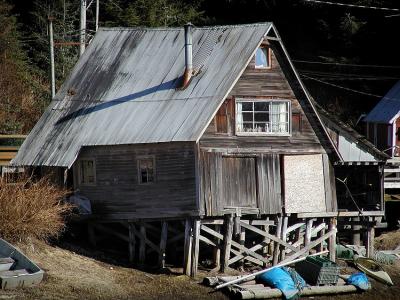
<point>32,209</point>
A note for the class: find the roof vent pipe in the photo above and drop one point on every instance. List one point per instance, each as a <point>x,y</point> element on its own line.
<point>188,55</point>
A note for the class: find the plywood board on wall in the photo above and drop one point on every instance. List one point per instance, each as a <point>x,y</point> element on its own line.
<point>304,187</point>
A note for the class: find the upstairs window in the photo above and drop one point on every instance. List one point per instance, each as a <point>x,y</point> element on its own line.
<point>87,172</point>
<point>261,117</point>
<point>263,58</point>
<point>146,170</point>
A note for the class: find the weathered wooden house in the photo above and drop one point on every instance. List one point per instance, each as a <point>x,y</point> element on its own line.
<point>211,126</point>
<point>382,124</point>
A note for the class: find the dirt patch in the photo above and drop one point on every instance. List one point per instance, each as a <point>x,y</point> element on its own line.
<point>72,276</point>
<point>388,241</point>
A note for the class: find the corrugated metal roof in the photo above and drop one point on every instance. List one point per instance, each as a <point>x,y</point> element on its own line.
<point>387,108</point>
<point>123,90</point>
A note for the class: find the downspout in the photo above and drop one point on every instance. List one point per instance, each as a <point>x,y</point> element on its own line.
<point>188,55</point>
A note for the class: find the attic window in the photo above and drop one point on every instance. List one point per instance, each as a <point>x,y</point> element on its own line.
<point>146,170</point>
<point>263,58</point>
<point>261,117</point>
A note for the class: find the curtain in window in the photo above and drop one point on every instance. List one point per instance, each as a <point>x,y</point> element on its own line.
<point>279,117</point>
<point>239,117</point>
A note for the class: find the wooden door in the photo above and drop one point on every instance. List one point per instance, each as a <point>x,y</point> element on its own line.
<point>239,181</point>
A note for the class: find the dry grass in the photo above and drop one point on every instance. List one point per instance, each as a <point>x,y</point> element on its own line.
<point>72,276</point>
<point>31,209</point>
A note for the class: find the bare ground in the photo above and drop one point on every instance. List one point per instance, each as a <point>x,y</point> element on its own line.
<point>73,276</point>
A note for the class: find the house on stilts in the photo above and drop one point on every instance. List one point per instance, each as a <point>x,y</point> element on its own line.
<point>196,140</point>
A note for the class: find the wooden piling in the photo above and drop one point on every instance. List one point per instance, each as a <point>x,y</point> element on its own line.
<point>163,244</point>
<point>195,248</point>
<point>227,242</point>
<point>132,241</point>
<point>187,256</point>
<point>276,245</point>
<point>142,246</point>
<point>332,240</point>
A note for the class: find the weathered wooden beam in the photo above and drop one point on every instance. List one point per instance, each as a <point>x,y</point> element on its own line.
<point>284,235</point>
<point>142,246</point>
<point>307,237</point>
<point>195,248</point>
<point>277,246</point>
<point>212,232</point>
<point>163,244</point>
<point>187,256</point>
<point>294,227</point>
<point>132,242</point>
<point>369,245</point>
<point>217,250</point>
<point>332,239</point>
<point>270,236</point>
<point>227,243</point>
<point>249,258</point>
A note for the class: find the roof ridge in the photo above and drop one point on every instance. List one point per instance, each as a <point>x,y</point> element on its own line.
<point>143,28</point>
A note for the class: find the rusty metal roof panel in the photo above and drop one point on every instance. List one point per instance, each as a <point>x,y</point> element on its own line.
<point>124,90</point>
<point>387,108</point>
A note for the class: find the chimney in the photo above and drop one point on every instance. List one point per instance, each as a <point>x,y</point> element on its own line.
<point>188,55</point>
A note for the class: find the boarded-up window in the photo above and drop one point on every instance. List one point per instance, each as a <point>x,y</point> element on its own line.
<point>146,170</point>
<point>239,181</point>
<point>296,122</point>
<point>304,186</point>
<point>87,172</point>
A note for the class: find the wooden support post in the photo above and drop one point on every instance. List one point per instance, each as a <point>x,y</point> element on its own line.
<point>187,247</point>
<point>91,234</point>
<point>332,240</point>
<point>217,250</point>
<point>283,235</point>
<point>356,231</point>
<point>132,241</point>
<point>227,242</point>
<point>319,234</point>
<point>276,245</point>
<point>266,250</point>
<point>307,236</point>
<point>163,244</point>
<point>242,241</point>
<point>370,236</point>
<point>195,248</point>
<point>142,246</point>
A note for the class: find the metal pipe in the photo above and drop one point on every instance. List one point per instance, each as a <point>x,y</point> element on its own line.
<point>188,55</point>
<point>52,68</point>
<point>82,32</point>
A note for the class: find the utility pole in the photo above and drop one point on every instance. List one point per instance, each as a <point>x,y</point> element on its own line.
<point>52,69</point>
<point>82,32</point>
<point>97,14</point>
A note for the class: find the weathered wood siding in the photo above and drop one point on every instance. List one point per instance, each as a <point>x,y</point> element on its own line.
<point>247,182</point>
<point>117,192</point>
<point>219,140</point>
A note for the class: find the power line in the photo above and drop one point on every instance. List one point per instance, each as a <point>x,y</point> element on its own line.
<point>343,64</point>
<point>353,5</point>
<point>341,87</point>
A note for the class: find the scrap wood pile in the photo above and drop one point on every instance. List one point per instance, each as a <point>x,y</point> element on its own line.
<point>310,276</point>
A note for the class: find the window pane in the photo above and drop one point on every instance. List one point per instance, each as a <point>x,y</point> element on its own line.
<point>261,106</point>
<point>261,60</point>
<point>247,106</point>
<point>247,127</point>
<point>87,171</point>
<point>146,170</point>
<point>247,117</point>
<point>261,117</point>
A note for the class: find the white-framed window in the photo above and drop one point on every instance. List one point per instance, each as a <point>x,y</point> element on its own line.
<point>146,169</point>
<point>87,172</point>
<point>263,58</point>
<point>262,117</point>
